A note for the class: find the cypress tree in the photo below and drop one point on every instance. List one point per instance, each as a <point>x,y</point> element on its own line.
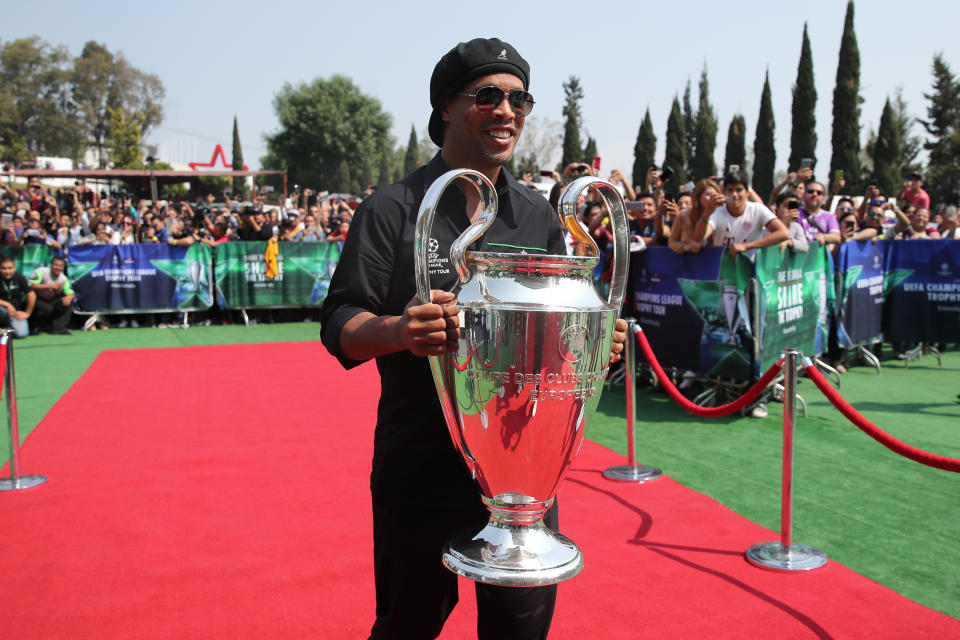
<point>846,107</point>
<point>764,152</point>
<point>689,127</point>
<point>675,156</point>
<point>943,126</point>
<point>589,151</point>
<point>803,135</point>
<point>704,164</point>
<point>342,181</point>
<point>887,152</point>
<point>239,184</point>
<point>572,150</point>
<point>644,151</point>
<point>411,160</point>
<point>385,176</point>
<point>736,151</point>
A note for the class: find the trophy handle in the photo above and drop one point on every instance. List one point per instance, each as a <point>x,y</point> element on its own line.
<point>585,243</point>
<point>458,250</point>
<point>441,367</point>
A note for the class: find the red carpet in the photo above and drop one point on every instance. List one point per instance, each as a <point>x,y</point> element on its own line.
<point>222,492</point>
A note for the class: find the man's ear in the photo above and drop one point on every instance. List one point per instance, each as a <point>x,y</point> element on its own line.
<point>445,111</point>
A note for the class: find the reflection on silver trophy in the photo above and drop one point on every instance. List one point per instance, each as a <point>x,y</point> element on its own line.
<point>517,396</point>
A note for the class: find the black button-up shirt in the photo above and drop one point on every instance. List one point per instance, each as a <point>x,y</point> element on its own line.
<point>414,457</point>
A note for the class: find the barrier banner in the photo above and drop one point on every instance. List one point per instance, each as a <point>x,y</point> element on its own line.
<point>28,257</point>
<point>140,277</point>
<point>793,295</point>
<point>693,309</point>
<point>860,293</point>
<point>302,279</point>
<point>922,288</point>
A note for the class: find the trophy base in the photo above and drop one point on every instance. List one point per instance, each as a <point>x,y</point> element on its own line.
<point>514,555</point>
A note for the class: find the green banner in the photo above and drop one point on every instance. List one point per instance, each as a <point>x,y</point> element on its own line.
<point>29,257</point>
<point>794,291</point>
<point>302,279</point>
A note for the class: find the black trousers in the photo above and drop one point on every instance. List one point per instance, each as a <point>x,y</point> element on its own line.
<point>416,593</point>
<point>52,312</point>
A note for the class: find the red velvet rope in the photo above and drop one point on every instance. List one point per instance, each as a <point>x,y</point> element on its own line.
<point>707,412</point>
<point>872,430</point>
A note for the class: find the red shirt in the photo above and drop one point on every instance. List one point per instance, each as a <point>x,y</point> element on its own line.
<point>920,198</point>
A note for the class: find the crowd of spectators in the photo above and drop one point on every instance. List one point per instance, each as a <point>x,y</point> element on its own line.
<point>80,215</point>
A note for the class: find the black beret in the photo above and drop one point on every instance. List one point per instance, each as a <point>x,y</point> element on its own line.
<point>465,62</point>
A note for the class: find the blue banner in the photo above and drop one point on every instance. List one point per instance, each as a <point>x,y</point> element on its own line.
<point>922,285</point>
<point>141,277</point>
<point>860,293</point>
<point>693,308</point>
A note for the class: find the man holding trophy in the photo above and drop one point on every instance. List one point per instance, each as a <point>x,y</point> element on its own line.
<point>422,491</point>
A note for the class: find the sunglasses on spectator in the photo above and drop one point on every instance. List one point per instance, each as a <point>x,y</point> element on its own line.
<point>816,192</point>
<point>489,97</point>
<point>849,224</point>
<point>845,209</point>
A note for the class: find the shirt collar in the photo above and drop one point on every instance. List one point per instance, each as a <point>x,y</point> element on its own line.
<point>437,167</point>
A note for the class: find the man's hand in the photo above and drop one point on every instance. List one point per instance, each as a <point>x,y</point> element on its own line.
<point>804,174</point>
<point>822,239</point>
<point>735,248</point>
<point>20,315</point>
<point>430,329</point>
<point>619,340</point>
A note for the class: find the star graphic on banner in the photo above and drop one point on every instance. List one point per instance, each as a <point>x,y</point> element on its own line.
<point>191,274</point>
<point>217,151</point>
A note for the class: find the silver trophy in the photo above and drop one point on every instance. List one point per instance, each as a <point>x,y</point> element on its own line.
<point>518,395</point>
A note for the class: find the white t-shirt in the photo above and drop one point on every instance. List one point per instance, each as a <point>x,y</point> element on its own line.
<point>744,228</point>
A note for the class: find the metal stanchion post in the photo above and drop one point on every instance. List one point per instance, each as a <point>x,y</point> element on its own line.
<point>786,555</point>
<point>631,472</point>
<point>15,481</point>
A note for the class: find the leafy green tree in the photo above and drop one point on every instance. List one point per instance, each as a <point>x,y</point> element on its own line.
<point>736,150</point>
<point>644,151</point>
<point>37,115</point>
<point>887,152</point>
<point>590,151</point>
<point>412,158</point>
<point>689,127</point>
<point>764,152</point>
<point>911,144</point>
<point>572,149</point>
<point>846,107</point>
<point>325,125</point>
<point>803,135</point>
<point>943,129</point>
<point>239,184</point>
<point>704,164</point>
<point>675,155</point>
<point>124,131</point>
<point>100,80</point>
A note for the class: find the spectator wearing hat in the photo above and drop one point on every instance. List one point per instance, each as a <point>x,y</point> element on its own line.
<point>422,493</point>
<point>914,192</point>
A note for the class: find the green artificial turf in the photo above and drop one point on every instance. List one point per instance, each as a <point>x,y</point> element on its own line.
<point>886,517</point>
<point>891,519</point>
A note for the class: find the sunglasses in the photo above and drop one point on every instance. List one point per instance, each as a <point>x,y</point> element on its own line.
<point>815,192</point>
<point>845,209</point>
<point>489,97</point>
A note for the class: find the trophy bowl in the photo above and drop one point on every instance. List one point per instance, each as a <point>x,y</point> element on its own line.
<point>519,392</point>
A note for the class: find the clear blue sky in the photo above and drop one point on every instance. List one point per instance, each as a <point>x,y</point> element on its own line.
<point>219,59</point>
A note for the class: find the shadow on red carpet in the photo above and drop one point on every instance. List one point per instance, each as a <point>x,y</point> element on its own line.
<point>222,492</point>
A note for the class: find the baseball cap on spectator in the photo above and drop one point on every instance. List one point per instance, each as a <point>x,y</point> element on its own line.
<point>465,62</point>
<point>915,176</point>
<point>737,177</point>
